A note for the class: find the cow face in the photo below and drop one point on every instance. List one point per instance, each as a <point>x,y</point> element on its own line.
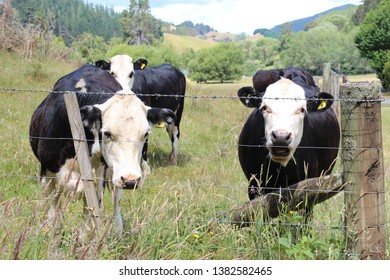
<point>122,68</point>
<point>283,107</point>
<point>121,126</point>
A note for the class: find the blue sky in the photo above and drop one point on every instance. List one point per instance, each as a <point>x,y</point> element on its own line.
<point>231,15</point>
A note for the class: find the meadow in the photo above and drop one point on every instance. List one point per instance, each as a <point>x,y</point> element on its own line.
<point>177,213</point>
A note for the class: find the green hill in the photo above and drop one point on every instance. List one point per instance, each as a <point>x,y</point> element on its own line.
<point>180,43</point>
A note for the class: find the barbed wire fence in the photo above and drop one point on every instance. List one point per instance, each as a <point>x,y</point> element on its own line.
<point>352,192</point>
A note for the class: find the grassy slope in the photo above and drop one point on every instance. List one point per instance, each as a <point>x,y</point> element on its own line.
<point>180,43</point>
<point>169,218</point>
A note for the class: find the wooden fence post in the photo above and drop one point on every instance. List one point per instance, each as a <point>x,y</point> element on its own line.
<point>363,170</point>
<point>82,154</point>
<point>330,84</point>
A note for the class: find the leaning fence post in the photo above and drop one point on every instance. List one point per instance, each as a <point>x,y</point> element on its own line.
<point>362,160</point>
<point>81,149</point>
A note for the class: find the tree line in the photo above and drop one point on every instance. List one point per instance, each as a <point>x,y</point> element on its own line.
<point>353,41</point>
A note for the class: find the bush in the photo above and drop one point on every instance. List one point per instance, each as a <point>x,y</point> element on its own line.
<point>386,73</point>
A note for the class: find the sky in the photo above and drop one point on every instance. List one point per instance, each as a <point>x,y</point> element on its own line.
<point>234,16</point>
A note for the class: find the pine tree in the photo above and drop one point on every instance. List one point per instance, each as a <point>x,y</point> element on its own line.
<point>139,26</point>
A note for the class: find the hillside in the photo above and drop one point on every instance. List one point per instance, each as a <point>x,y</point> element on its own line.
<point>299,24</point>
<point>180,42</point>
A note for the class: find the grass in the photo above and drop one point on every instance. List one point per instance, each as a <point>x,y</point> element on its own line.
<point>181,43</point>
<point>173,215</point>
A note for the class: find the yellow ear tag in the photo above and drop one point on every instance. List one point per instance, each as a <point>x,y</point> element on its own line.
<point>322,105</point>
<point>160,125</point>
<point>143,65</point>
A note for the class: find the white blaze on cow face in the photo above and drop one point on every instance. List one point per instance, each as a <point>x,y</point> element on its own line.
<point>125,129</point>
<point>122,68</point>
<point>283,106</point>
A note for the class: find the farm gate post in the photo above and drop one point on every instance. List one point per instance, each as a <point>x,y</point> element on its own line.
<point>81,149</point>
<point>363,170</point>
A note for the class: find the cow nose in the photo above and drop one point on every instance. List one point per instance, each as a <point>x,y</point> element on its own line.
<point>281,137</point>
<point>130,182</point>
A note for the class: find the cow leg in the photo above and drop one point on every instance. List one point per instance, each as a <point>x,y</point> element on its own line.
<point>174,134</point>
<point>101,176</point>
<point>53,195</point>
<point>116,197</point>
<point>144,160</point>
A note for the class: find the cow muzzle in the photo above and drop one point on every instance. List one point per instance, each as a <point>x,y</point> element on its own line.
<point>130,182</point>
<point>280,147</point>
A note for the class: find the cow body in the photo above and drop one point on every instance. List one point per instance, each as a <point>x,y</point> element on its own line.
<point>292,133</point>
<point>170,83</point>
<point>116,128</point>
<point>162,86</point>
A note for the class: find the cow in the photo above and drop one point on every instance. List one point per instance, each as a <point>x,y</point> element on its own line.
<point>161,86</point>
<point>292,133</point>
<point>116,128</point>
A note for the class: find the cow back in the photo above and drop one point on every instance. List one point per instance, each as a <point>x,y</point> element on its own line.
<point>163,80</point>
<point>50,134</point>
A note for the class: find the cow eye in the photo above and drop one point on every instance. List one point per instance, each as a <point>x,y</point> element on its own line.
<point>301,111</point>
<point>131,74</point>
<point>266,109</point>
<point>107,134</point>
<point>112,73</point>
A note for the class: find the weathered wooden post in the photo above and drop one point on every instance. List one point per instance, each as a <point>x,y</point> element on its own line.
<point>363,171</point>
<point>82,154</point>
<point>330,84</point>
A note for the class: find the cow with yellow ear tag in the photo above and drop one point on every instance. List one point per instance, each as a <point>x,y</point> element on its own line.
<point>292,133</point>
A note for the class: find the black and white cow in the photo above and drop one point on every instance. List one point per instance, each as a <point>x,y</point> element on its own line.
<point>116,128</point>
<point>292,133</point>
<point>162,86</point>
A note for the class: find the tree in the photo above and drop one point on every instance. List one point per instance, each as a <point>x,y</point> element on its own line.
<point>363,9</point>
<point>373,39</point>
<point>139,26</point>
<point>386,71</point>
<point>222,62</point>
<point>88,48</point>
<point>323,44</point>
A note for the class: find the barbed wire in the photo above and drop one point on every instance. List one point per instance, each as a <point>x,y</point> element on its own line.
<point>336,99</point>
<point>244,185</point>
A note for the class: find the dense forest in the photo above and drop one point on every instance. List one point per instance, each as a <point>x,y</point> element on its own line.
<point>70,18</point>
<point>76,30</point>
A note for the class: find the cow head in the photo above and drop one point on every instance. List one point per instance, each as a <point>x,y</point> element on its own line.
<point>122,68</point>
<point>283,107</point>
<point>120,127</point>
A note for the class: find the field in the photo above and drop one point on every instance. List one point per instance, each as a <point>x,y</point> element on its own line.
<point>174,215</point>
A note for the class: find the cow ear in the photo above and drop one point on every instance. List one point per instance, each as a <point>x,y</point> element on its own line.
<point>103,64</point>
<point>320,102</point>
<point>140,64</point>
<point>249,97</point>
<point>157,116</point>
<point>91,117</point>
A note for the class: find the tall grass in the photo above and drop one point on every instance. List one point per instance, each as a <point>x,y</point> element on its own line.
<point>177,213</point>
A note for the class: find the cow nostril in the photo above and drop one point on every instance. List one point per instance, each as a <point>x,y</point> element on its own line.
<point>281,137</point>
<point>131,182</point>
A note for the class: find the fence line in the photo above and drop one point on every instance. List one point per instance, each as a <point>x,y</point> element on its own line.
<point>357,100</point>
<point>187,96</point>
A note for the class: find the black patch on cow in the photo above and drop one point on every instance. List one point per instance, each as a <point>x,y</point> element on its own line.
<point>157,115</point>
<point>249,97</point>
<point>91,117</point>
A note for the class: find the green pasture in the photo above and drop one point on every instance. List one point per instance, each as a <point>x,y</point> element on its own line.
<point>174,215</point>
